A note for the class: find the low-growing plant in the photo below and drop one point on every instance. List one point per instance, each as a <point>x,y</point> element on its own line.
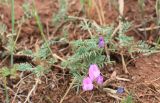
<point>27,8</point>
<point>4,72</point>
<point>42,58</point>
<point>62,12</point>
<point>87,55</point>
<point>87,52</point>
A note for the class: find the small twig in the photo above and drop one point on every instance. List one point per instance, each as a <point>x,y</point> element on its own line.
<point>131,60</point>
<point>107,53</point>
<point>112,93</point>
<point>98,12</point>
<point>115,31</point>
<point>153,80</point>
<point>112,79</point>
<point>75,17</point>
<point>102,12</point>
<point>16,94</point>
<point>122,79</point>
<point>114,96</point>
<point>137,32</point>
<point>22,79</point>
<point>68,90</point>
<point>149,28</point>
<point>109,90</point>
<point>124,65</point>
<point>83,99</point>
<point>33,89</point>
<point>4,60</point>
<point>121,7</point>
<point>108,81</point>
<point>90,98</point>
<point>49,99</point>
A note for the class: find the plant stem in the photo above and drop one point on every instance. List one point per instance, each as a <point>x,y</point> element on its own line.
<point>6,91</point>
<point>42,33</point>
<point>68,90</point>
<point>85,21</point>
<point>141,4</point>
<point>98,12</point>
<point>124,64</point>
<point>12,14</point>
<point>32,90</point>
<point>158,18</point>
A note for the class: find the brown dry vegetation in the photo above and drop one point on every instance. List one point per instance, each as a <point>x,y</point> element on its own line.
<point>144,74</point>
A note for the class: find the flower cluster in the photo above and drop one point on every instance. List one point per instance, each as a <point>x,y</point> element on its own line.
<point>94,72</point>
<point>94,75</point>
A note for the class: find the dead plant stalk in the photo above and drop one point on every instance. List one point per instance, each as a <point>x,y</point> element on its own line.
<point>32,90</point>
<point>68,90</point>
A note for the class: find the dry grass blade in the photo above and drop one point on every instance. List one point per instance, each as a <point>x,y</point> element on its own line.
<point>124,64</point>
<point>67,90</point>
<point>108,81</point>
<point>149,28</point>
<point>32,90</point>
<point>98,12</point>
<point>121,6</point>
<point>123,79</point>
<point>115,96</point>
<point>13,101</point>
<point>101,11</point>
<point>158,8</point>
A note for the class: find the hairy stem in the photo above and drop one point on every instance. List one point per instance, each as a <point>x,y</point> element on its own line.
<point>12,14</point>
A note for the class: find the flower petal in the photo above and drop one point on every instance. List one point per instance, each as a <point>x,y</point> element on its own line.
<point>87,84</point>
<point>87,87</point>
<point>99,80</point>
<point>120,90</point>
<point>94,72</point>
<point>101,42</point>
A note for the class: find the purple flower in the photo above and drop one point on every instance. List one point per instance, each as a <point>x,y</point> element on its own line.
<point>94,75</point>
<point>94,72</point>
<point>120,90</point>
<point>101,42</point>
<point>99,80</point>
<point>87,84</point>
